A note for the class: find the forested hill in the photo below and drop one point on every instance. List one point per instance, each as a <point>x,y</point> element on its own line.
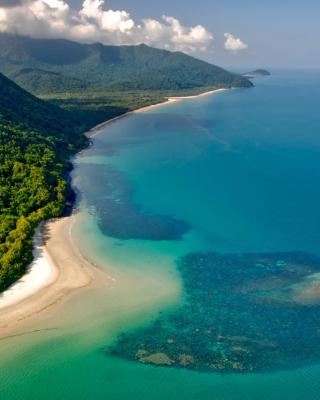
<point>44,65</point>
<point>19,106</point>
<point>36,140</point>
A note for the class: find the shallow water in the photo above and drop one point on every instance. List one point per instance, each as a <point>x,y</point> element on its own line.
<point>233,172</point>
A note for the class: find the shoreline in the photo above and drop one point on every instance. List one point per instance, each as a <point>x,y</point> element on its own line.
<point>39,274</point>
<point>69,272</point>
<point>58,268</point>
<point>98,128</point>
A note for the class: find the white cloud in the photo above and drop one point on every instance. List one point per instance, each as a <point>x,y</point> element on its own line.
<point>233,43</point>
<point>171,34</point>
<point>93,23</point>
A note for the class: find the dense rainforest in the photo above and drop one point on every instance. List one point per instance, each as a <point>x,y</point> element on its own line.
<point>80,86</point>
<point>36,140</point>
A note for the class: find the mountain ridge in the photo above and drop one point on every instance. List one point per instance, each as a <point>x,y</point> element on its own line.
<point>110,67</point>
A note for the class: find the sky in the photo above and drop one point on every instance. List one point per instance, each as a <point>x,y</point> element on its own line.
<point>231,33</point>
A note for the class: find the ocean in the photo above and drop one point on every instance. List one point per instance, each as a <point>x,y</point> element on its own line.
<point>229,179</point>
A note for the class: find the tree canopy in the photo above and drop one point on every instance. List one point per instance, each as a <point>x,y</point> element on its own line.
<point>36,140</point>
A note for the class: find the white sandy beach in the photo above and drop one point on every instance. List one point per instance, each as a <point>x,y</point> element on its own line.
<point>58,271</point>
<point>98,128</point>
<point>41,273</point>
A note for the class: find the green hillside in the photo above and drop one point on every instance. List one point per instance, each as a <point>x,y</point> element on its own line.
<point>36,140</point>
<point>61,62</point>
<point>97,82</point>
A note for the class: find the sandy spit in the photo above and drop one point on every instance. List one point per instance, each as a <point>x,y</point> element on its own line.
<point>57,271</point>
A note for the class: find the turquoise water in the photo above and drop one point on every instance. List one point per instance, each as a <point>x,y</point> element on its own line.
<point>234,172</point>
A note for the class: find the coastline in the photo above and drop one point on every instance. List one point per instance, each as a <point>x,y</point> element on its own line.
<point>69,272</point>
<point>58,269</point>
<point>40,273</point>
<point>98,128</point>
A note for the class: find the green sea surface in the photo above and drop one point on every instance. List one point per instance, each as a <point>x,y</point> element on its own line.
<point>235,172</point>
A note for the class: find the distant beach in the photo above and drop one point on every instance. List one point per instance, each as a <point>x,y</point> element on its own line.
<point>92,132</point>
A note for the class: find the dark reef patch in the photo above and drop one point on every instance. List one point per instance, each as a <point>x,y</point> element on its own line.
<point>241,313</point>
<point>118,215</point>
